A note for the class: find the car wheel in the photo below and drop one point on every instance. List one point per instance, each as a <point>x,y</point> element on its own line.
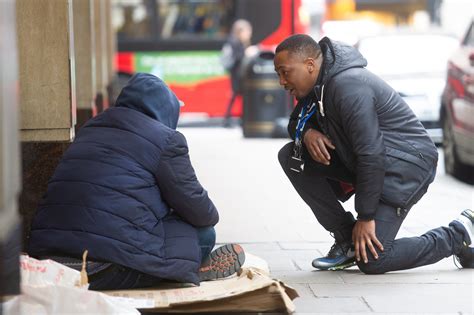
<point>452,165</point>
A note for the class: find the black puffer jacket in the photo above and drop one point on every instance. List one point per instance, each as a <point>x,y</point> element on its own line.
<point>375,133</point>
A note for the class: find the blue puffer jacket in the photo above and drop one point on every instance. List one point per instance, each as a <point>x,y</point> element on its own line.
<point>126,191</point>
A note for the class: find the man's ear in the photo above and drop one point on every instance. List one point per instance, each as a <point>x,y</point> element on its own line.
<point>310,64</point>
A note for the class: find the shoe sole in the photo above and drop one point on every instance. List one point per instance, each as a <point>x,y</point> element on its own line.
<point>343,266</point>
<point>348,263</point>
<point>222,262</point>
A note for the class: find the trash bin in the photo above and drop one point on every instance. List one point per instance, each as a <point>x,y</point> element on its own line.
<point>265,102</point>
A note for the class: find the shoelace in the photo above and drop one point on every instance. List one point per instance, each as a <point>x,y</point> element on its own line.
<point>333,248</point>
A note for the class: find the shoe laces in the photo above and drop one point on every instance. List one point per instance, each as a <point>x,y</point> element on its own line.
<point>333,248</point>
<point>336,246</point>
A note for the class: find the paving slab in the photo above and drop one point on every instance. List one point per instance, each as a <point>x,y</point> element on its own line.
<point>463,291</point>
<point>347,305</point>
<point>414,276</point>
<point>439,303</point>
<point>256,248</point>
<point>301,245</point>
<point>395,297</point>
<point>303,289</point>
<point>308,277</point>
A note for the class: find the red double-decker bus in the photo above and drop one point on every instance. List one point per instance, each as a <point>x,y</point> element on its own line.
<point>180,41</point>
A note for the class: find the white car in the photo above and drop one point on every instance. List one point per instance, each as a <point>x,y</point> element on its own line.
<point>414,64</point>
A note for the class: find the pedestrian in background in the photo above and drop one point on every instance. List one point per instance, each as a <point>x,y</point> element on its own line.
<point>233,52</point>
<point>354,134</point>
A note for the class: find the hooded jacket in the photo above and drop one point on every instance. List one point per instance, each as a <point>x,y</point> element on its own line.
<point>376,135</point>
<point>125,190</point>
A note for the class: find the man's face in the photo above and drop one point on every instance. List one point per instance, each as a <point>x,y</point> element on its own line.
<point>297,74</point>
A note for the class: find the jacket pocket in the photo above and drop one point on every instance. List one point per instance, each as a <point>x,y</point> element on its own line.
<point>407,178</point>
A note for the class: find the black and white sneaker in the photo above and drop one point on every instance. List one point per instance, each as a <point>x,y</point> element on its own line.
<point>222,262</point>
<point>466,257</point>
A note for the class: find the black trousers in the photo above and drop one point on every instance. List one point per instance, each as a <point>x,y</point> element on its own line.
<point>314,186</point>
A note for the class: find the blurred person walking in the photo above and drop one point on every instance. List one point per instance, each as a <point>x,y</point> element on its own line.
<point>353,134</point>
<point>125,190</point>
<point>233,52</point>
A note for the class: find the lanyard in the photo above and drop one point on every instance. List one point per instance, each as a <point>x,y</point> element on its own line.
<point>305,114</point>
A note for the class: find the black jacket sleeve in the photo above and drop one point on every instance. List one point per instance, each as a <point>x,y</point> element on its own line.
<point>355,102</point>
<point>180,187</point>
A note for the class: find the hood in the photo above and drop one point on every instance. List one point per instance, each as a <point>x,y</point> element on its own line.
<point>339,57</point>
<point>151,96</point>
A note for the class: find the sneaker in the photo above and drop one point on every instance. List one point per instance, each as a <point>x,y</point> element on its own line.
<point>467,220</point>
<point>466,256</point>
<point>339,257</point>
<point>222,262</point>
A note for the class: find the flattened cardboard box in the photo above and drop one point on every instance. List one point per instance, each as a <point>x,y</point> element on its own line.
<point>251,291</point>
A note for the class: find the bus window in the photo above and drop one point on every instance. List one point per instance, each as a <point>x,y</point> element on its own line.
<point>173,19</point>
<point>187,19</point>
<point>133,19</point>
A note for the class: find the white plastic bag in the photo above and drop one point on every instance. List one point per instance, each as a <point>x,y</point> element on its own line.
<point>49,288</point>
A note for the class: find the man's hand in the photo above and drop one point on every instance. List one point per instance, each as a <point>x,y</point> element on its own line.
<point>317,145</point>
<point>363,235</point>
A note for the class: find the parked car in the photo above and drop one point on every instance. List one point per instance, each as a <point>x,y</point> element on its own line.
<point>457,111</point>
<point>414,64</point>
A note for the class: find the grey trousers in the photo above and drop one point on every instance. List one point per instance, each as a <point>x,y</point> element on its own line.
<point>404,253</point>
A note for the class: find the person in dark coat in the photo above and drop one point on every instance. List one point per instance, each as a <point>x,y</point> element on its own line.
<point>233,53</point>
<point>353,134</point>
<point>125,190</point>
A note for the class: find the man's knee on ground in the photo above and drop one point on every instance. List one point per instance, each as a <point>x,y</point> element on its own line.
<point>284,153</point>
<point>374,267</point>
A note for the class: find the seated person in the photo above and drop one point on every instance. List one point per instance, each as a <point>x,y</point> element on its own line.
<point>125,191</point>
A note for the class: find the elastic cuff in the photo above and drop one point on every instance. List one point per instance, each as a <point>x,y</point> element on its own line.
<point>366,217</point>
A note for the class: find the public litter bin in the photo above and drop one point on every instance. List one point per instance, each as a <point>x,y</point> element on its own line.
<point>265,102</point>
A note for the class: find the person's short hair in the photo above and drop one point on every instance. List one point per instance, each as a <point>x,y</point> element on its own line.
<point>240,25</point>
<point>300,44</point>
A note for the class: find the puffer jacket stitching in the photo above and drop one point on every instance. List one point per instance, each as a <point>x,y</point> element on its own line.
<point>98,209</point>
<point>108,187</point>
<point>150,184</point>
<point>108,237</point>
<point>129,131</point>
<point>79,141</point>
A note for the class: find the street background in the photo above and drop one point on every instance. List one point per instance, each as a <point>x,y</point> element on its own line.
<point>260,209</point>
<point>65,61</point>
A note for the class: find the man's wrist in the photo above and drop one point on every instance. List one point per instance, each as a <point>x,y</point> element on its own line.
<point>305,131</point>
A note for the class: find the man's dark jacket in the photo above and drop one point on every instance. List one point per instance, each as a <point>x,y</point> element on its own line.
<point>237,55</point>
<point>376,135</point>
<point>125,190</point>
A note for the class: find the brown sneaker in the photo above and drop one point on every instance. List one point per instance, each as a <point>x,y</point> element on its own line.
<point>222,262</point>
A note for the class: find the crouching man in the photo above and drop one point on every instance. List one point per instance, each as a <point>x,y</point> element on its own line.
<point>354,134</point>
<point>125,191</point>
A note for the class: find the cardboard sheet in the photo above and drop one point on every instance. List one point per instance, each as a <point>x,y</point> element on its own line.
<point>252,291</point>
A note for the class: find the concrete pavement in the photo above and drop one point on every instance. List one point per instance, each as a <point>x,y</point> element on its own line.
<point>260,209</point>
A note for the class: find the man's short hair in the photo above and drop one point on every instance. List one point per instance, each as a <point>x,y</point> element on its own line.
<point>300,44</point>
